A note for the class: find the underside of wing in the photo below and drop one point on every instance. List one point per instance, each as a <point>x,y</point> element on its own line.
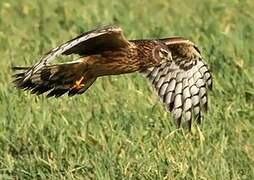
<point>92,42</point>
<point>183,83</point>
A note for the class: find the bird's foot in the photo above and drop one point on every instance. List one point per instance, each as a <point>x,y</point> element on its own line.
<point>79,83</point>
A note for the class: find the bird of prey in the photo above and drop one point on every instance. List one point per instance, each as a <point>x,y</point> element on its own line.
<point>174,66</point>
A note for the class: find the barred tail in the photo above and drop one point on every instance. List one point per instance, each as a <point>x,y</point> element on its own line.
<point>72,78</point>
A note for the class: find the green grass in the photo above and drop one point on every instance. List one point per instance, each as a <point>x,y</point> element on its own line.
<point>119,129</point>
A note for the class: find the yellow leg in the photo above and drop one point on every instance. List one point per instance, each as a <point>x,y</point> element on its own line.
<point>79,83</point>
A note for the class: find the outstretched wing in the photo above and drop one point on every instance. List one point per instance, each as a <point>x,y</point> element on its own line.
<point>182,84</point>
<point>92,42</point>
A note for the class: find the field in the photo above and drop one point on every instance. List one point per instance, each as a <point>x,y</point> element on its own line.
<point>119,129</point>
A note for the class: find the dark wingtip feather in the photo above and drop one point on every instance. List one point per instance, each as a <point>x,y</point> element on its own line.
<point>61,92</point>
<point>57,92</point>
<point>19,77</point>
<point>211,85</point>
<point>19,68</point>
<point>189,124</point>
<point>178,122</point>
<point>198,118</point>
<point>72,92</point>
<point>42,89</point>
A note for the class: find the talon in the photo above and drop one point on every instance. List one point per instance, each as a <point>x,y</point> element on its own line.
<point>79,83</point>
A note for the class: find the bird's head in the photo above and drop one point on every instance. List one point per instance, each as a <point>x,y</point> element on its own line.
<point>165,54</point>
<point>162,53</point>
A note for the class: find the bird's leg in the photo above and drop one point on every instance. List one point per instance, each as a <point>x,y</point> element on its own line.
<point>79,83</point>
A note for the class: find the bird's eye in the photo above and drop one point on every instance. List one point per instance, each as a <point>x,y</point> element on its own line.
<point>163,53</point>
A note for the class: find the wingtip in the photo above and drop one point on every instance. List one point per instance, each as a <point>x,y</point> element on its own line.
<point>19,68</point>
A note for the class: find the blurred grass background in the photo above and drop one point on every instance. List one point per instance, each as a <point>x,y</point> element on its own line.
<point>119,129</point>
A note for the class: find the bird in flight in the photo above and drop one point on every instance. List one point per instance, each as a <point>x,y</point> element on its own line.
<point>174,65</point>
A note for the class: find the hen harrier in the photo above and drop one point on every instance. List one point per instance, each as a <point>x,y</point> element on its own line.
<point>174,66</point>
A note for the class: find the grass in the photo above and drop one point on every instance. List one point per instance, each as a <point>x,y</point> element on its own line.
<point>119,129</point>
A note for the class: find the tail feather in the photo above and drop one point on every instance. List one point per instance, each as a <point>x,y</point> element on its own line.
<point>71,78</point>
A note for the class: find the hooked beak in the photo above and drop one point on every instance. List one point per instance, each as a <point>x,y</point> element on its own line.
<point>170,58</point>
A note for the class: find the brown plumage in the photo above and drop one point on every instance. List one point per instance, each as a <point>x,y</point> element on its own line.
<point>174,66</point>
